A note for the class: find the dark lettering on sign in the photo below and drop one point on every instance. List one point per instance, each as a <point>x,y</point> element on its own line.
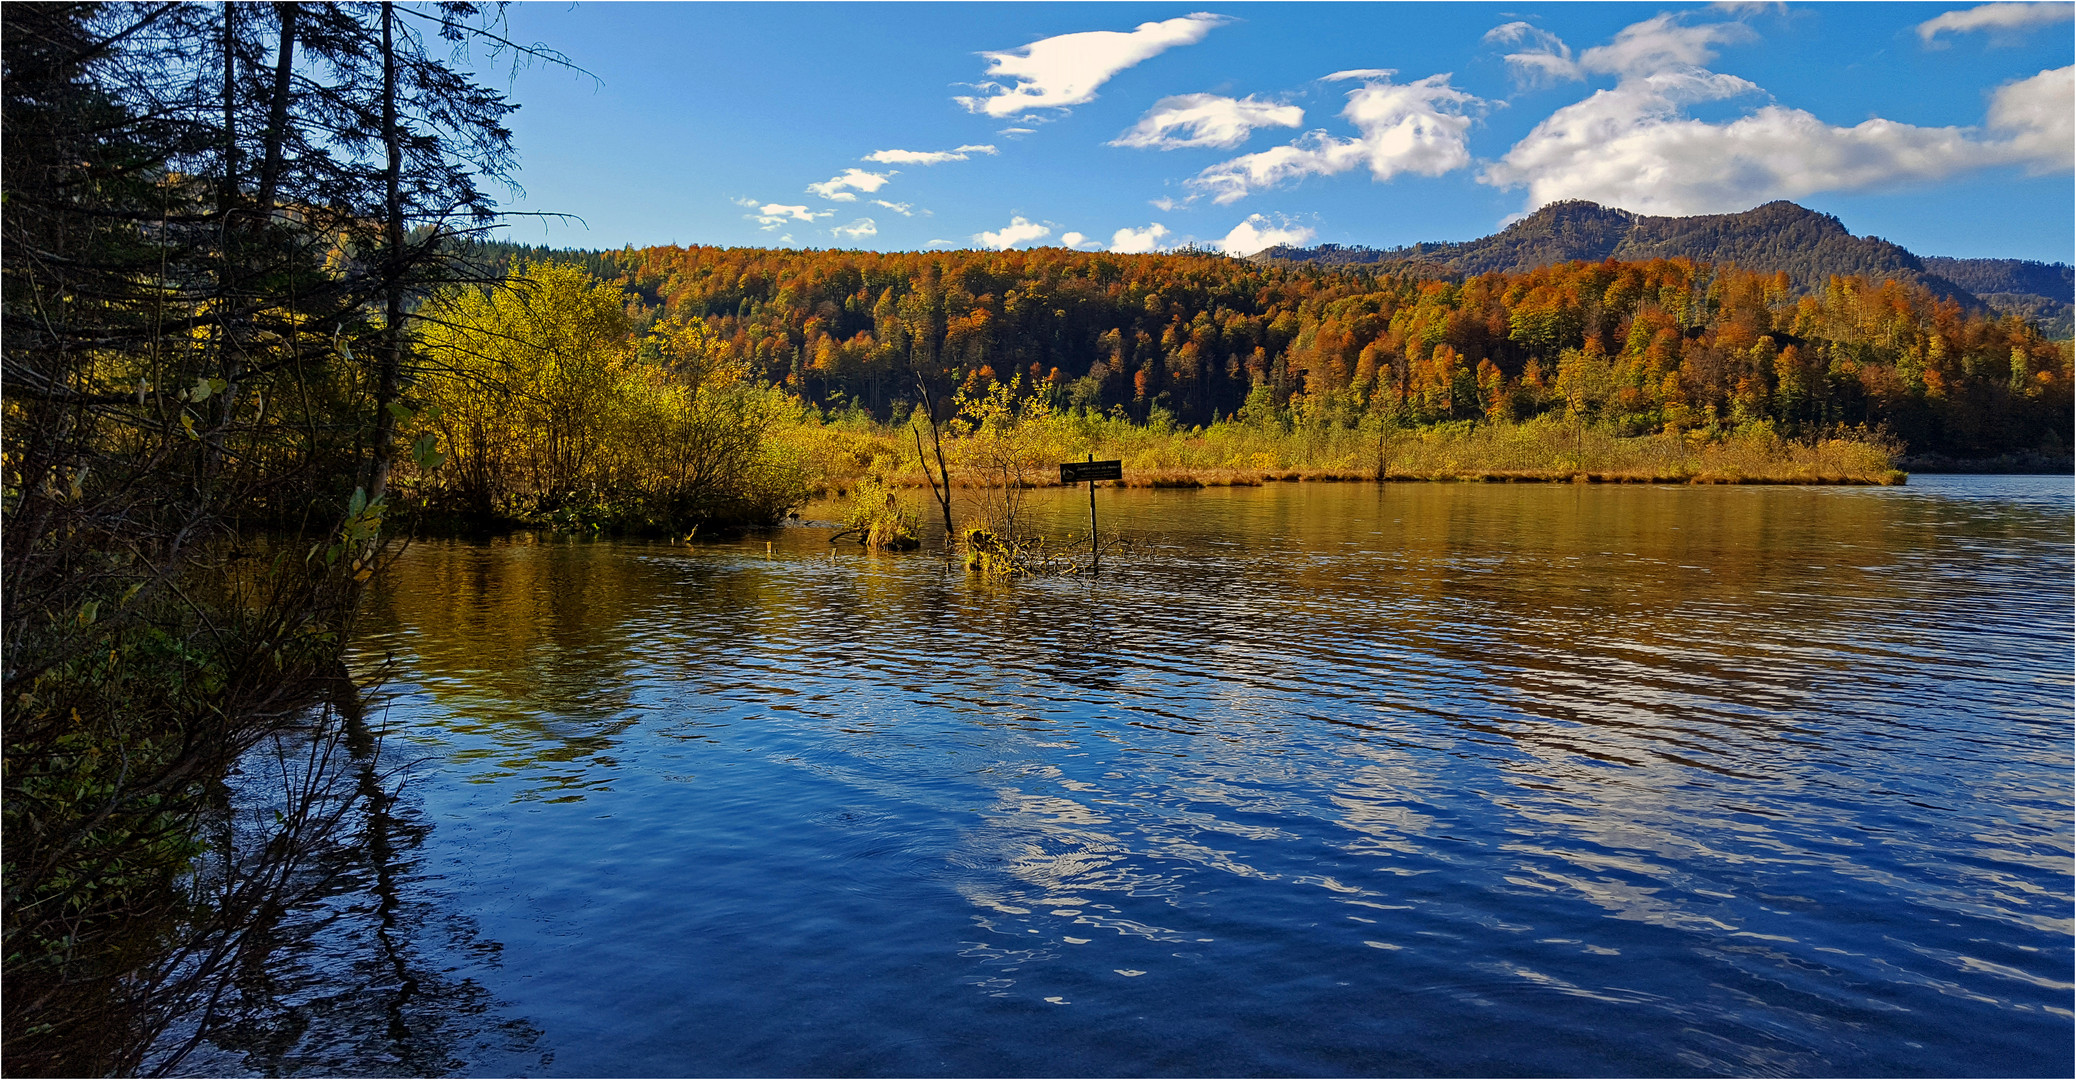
<point>1074,472</point>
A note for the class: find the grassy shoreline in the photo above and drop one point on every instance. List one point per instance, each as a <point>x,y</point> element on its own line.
<point>1232,454</point>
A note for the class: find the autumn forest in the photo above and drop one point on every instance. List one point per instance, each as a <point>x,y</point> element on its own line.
<point>1641,347</point>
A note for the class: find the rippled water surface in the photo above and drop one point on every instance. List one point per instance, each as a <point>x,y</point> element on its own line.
<point>1318,779</point>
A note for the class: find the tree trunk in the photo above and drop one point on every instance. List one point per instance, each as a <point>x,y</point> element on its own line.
<point>277,112</point>
<point>389,379</point>
<point>227,349</point>
<point>944,493</point>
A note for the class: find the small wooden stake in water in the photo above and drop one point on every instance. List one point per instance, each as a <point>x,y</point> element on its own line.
<point>1095,554</point>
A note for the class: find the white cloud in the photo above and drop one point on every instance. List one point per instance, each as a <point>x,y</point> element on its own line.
<point>926,157</point>
<point>1079,242</point>
<point>1545,59</point>
<point>940,244</point>
<point>1995,17</point>
<point>1421,127</point>
<point>1013,132</point>
<point>856,230</point>
<point>2036,122</point>
<point>1660,43</point>
<point>1656,44</point>
<point>833,188</point>
<point>1257,232</point>
<point>1206,120</point>
<point>1056,72</point>
<point>901,208</point>
<point>769,216</point>
<point>1018,231</point>
<point>1168,206</point>
<point>1635,147</point>
<point>1138,241</point>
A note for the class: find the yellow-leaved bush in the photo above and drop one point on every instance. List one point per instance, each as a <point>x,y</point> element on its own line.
<point>553,410</point>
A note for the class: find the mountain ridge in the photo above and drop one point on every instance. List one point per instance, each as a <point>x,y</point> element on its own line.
<point>1808,245</point>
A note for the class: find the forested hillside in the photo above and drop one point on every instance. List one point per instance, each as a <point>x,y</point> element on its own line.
<point>2056,281</point>
<point>1778,237</point>
<point>1639,346</point>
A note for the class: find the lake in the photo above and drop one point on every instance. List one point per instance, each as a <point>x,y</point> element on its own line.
<point>1411,779</point>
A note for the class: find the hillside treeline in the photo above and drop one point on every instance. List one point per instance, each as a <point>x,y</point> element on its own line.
<point>1637,346</point>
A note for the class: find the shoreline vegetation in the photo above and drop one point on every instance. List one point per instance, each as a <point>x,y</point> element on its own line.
<point>670,391</point>
<point>855,451</point>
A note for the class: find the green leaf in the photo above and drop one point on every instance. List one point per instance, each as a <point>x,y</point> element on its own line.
<point>426,453</point>
<point>358,503</point>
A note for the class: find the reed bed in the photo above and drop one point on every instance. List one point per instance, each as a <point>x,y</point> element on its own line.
<point>846,452</point>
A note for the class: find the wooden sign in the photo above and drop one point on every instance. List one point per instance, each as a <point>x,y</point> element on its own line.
<point>1074,472</point>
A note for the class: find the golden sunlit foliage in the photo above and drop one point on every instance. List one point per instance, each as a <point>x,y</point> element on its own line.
<point>552,408</point>
<point>1667,345</point>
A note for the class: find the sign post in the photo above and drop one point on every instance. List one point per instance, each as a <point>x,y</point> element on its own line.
<point>1091,471</point>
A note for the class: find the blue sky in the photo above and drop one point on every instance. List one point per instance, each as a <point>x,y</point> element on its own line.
<point>1945,128</point>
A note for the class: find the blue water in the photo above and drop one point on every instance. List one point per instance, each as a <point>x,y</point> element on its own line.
<point>1314,780</point>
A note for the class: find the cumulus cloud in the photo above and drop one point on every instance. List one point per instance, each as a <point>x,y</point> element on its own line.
<point>2034,120</point>
<point>1057,72</point>
<point>1079,242</point>
<point>1258,232</point>
<point>2007,17</point>
<point>1018,231</point>
<point>1206,120</point>
<point>1420,127</point>
<point>901,208</point>
<point>833,188</point>
<point>769,216</point>
<point>1138,241</point>
<point>1634,146</point>
<point>926,157</point>
<point>856,230</point>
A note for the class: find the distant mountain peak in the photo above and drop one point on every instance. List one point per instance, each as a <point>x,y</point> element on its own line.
<point>1781,236</point>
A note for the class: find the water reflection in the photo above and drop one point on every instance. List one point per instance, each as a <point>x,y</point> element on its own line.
<point>1434,779</point>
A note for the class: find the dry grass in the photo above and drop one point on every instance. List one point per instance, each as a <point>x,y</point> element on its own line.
<point>1544,450</point>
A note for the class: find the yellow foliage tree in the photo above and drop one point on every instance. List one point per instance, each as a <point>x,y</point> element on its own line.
<point>552,407</point>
